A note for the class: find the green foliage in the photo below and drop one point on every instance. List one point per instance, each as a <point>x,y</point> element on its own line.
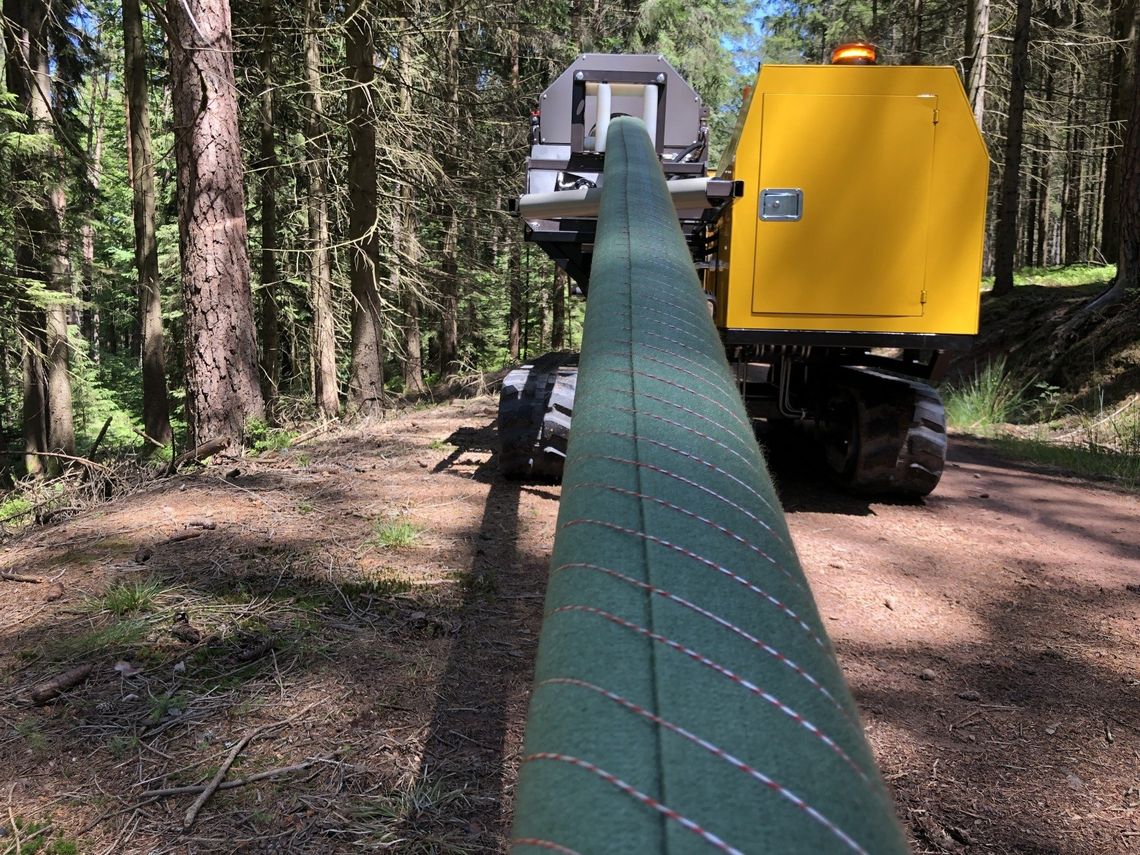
<point>35,839</point>
<point>13,508</point>
<point>1073,275</point>
<point>260,437</point>
<point>94,399</point>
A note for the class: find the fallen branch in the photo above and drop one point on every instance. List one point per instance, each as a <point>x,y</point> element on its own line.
<point>20,577</point>
<point>148,438</point>
<point>185,535</point>
<point>56,686</point>
<point>198,453</point>
<point>74,459</point>
<point>99,438</point>
<point>324,427</point>
<point>152,795</point>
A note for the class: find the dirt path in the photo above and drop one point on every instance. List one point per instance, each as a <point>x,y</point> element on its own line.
<point>989,635</point>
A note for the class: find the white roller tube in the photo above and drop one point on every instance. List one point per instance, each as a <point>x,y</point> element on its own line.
<point>687,194</point>
<point>603,124</point>
<point>649,111</point>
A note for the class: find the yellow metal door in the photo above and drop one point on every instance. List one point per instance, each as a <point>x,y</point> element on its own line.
<point>863,165</point>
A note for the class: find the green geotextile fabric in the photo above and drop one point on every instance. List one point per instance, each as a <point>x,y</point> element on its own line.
<point>687,698</point>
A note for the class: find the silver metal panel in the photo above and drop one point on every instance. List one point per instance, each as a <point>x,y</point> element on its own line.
<point>682,104</point>
<point>779,203</point>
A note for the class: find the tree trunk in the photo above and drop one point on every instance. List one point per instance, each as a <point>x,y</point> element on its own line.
<point>1029,216</point>
<point>95,125</point>
<point>366,392</point>
<point>1074,174</point>
<point>916,33</point>
<point>156,407</point>
<point>514,309</point>
<point>222,388</point>
<point>449,299</point>
<point>41,251</point>
<point>405,226</point>
<point>1005,241</point>
<point>1044,178</point>
<point>316,206</point>
<point>267,155</point>
<point>1122,85</point>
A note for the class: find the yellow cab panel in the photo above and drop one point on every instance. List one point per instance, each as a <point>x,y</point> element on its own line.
<point>863,207</point>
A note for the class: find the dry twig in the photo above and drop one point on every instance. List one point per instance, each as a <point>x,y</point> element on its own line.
<point>212,787</point>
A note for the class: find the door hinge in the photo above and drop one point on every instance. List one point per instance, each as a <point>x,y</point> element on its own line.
<point>936,115</point>
<point>922,297</point>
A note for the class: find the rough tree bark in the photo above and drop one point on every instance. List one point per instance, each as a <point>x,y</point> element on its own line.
<point>1122,87</point>
<point>267,161</point>
<point>222,389</point>
<point>514,309</point>
<point>156,406</point>
<point>405,232</point>
<point>558,310</point>
<point>41,251</point>
<point>975,63</point>
<point>1005,239</point>
<point>96,113</point>
<point>1127,283</point>
<point>366,386</point>
<point>449,247</point>
<point>316,206</point>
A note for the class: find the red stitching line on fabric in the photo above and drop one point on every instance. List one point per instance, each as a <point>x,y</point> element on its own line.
<point>681,320</point>
<point>708,563</point>
<point>646,800</point>
<point>715,750</point>
<point>681,388</point>
<point>743,682</point>
<point>690,483</point>
<point>543,844</point>
<point>717,619</point>
<point>695,458</point>
<point>689,412</point>
<point>635,495</point>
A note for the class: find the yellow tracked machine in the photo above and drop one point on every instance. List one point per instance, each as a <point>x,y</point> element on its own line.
<point>840,243</point>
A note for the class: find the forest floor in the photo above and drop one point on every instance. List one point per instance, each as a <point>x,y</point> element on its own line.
<point>354,619</point>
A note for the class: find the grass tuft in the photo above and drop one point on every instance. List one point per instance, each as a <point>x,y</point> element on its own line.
<point>396,534</point>
<point>128,598</point>
<point>421,817</point>
<point>992,397</point>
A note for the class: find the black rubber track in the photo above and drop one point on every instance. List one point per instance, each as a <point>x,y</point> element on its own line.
<point>535,407</point>
<point>888,434</point>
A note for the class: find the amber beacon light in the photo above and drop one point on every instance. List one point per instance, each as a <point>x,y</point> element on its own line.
<point>855,53</point>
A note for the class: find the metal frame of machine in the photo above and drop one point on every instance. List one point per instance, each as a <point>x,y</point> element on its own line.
<point>840,245</point>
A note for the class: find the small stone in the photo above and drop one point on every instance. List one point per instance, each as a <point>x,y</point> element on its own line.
<point>969,695</point>
<point>889,603</point>
<point>143,554</point>
<point>927,674</point>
